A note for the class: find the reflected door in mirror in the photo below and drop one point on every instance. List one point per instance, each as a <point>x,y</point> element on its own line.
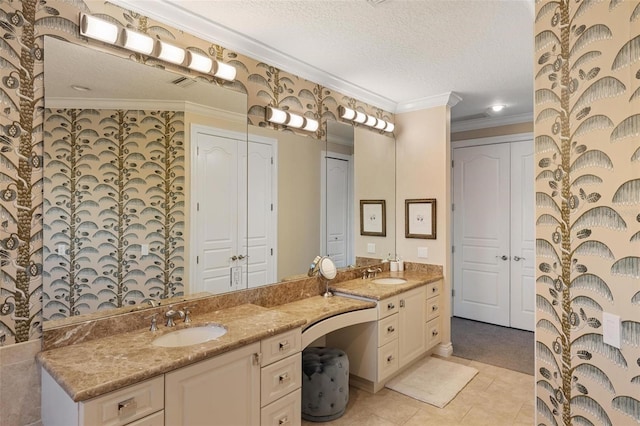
<point>216,228</point>
<point>338,210</point>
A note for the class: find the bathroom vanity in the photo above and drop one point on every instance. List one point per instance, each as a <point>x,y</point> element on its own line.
<point>249,375</point>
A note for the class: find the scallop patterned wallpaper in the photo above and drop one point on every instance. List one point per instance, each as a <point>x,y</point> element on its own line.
<point>24,23</point>
<point>587,138</point>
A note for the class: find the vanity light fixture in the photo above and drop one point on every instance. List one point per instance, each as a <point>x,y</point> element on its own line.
<point>199,62</point>
<point>170,53</point>
<point>290,119</point>
<point>362,118</point>
<point>108,32</point>
<point>138,42</point>
<point>224,71</point>
<point>98,29</point>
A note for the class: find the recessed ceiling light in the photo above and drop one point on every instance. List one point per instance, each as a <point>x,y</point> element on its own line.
<point>497,108</point>
<point>80,88</point>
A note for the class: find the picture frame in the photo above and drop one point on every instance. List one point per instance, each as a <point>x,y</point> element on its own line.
<point>373,218</point>
<point>420,218</point>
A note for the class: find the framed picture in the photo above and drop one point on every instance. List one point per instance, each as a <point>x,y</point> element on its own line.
<point>420,218</point>
<point>373,218</point>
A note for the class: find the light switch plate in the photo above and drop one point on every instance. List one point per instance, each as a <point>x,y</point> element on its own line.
<point>423,252</point>
<point>62,249</point>
<point>371,248</point>
<point>144,249</point>
<point>611,329</point>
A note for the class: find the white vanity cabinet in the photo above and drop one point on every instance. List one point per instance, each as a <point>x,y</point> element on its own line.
<point>224,390</point>
<point>257,384</point>
<point>377,350</point>
<point>433,331</point>
<point>139,404</point>
<point>411,321</point>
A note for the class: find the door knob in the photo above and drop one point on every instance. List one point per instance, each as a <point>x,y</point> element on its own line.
<point>503,257</point>
<point>517,258</point>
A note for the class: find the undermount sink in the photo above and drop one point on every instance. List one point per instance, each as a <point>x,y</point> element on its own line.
<point>389,280</point>
<point>190,336</point>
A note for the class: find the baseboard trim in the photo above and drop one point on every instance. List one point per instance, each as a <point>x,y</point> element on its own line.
<point>444,349</point>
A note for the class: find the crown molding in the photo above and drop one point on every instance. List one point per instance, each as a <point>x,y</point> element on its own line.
<point>484,123</point>
<point>109,103</point>
<point>174,15</point>
<point>145,105</point>
<point>449,99</point>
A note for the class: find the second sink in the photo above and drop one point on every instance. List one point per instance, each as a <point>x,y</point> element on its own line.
<point>389,280</point>
<point>190,336</point>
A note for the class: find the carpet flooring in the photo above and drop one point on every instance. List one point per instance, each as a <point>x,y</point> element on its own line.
<point>492,344</point>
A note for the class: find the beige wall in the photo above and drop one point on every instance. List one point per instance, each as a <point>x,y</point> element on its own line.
<point>375,180</point>
<point>510,129</point>
<point>423,155</point>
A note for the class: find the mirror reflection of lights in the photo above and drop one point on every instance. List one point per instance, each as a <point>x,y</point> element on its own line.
<point>80,88</point>
<point>362,118</point>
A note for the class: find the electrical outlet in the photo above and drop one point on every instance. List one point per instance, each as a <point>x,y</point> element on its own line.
<point>371,248</point>
<point>423,252</point>
<point>62,250</point>
<point>144,249</point>
<point>611,329</point>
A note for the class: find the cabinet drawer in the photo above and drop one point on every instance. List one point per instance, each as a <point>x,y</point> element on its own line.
<point>387,360</point>
<point>433,308</point>
<point>125,405</point>
<point>281,346</point>
<point>434,289</point>
<point>388,307</point>
<point>433,333</point>
<point>283,412</point>
<point>280,378</point>
<point>387,329</point>
<point>156,419</point>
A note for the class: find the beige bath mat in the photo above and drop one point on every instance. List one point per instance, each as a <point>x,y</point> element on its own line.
<point>433,380</point>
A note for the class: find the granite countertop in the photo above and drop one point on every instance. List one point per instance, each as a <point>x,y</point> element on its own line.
<point>93,368</point>
<point>86,370</point>
<point>317,308</point>
<point>368,289</point>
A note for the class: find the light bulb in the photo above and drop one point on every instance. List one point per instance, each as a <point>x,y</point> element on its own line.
<point>170,53</point>
<point>137,42</point>
<point>98,29</point>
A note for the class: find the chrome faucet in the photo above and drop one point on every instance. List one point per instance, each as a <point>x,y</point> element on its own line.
<point>371,273</point>
<point>171,314</point>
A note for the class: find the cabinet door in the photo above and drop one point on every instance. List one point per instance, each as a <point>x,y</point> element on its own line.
<point>411,323</point>
<point>224,391</point>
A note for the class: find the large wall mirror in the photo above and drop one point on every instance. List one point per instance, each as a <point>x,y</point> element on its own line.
<point>156,188</point>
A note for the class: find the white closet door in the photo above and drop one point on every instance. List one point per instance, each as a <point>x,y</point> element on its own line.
<point>522,236</point>
<point>217,190</point>
<point>337,210</point>
<point>481,233</point>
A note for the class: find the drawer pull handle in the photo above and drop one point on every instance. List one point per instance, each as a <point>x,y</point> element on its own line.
<point>390,329</point>
<point>434,308</point>
<point>434,333</point>
<point>402,303</point>
<point>390,306</point>
<point>389,358</point>
<point>284,378</point>
<point>284,346</point>
<point>127,407</point>
<point>283,421</point>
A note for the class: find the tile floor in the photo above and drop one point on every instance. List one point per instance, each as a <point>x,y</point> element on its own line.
<point>495,397</point>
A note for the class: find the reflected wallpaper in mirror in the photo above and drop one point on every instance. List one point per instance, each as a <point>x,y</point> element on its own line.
<point>114,179</point>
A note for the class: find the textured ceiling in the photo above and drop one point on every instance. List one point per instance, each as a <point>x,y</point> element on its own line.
<point>395,55</point>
